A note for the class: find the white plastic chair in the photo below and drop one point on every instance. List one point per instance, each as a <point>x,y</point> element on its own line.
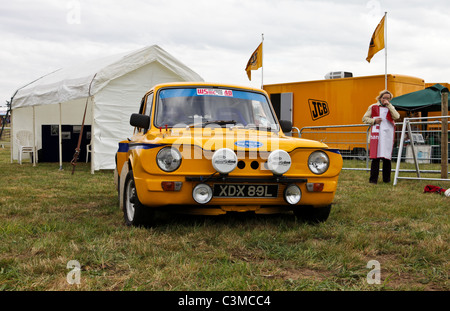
<point>24,140</point>
<point>88,150</point>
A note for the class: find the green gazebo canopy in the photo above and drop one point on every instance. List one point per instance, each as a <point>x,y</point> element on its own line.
<point>428,99</point>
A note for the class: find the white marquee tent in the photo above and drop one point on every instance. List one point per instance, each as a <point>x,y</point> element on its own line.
<point>117,85</point>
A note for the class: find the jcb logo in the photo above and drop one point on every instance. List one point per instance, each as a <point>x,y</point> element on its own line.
<point>318,109</point>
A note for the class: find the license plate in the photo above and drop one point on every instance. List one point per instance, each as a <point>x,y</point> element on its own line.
<point>245,191</point>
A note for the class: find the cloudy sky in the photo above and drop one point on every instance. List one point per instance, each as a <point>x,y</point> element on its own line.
<point>303,40</point>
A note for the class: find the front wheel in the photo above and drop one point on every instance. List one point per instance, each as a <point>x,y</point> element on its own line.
<point>312,215</point>
<point>134,212</point>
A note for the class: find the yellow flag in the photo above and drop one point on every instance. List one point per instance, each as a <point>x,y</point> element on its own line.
<point>254,62</point>
<point>377,41</point>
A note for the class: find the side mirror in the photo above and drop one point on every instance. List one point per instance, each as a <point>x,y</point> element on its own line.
<point>140,120</point>
<point>286,126</point>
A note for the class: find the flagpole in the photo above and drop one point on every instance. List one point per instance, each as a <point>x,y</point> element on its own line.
<point>385,50</point>
<point>262,60</point>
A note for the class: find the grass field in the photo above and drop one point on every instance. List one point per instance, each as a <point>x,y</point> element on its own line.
<point>49,217</point>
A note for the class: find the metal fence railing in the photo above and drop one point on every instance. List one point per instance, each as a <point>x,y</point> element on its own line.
<point>351,140</point>
<point>422,143</point>
<point>5,139</point>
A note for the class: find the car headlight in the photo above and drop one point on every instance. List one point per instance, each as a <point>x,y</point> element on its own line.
<point>318,162</point>
<point>168,159</point>
<point>224,160</point>
<point>279,162</point>
<point>292,194</point>
<point>202,193</point>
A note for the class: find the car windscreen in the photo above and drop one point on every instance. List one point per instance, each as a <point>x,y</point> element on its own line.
<point>181,107</point>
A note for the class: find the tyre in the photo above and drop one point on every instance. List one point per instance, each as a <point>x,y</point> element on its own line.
<point>134,212</point>
<point>312,215</point>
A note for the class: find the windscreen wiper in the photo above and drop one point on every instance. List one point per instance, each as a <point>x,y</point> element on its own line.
<point>218,122</point>
<point>267,128</point>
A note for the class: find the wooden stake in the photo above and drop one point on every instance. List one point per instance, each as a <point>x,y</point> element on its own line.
<point>444,136</point>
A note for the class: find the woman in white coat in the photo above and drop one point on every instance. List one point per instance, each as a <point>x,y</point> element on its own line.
<point>381,116</point>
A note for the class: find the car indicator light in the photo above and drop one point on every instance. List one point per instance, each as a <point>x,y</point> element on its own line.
<point>171,185</point>
<point>314,187</point>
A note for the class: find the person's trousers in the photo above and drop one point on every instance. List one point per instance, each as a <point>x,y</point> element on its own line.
<point>375,169</point>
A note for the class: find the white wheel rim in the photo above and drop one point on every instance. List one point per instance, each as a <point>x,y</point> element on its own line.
<point>128,205</point>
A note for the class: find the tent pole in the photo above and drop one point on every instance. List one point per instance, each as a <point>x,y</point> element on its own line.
<point>92,136</point>
<point>11,126</point>
<point>34,137</point>
<point>60,138</point>
<point>11,134</point>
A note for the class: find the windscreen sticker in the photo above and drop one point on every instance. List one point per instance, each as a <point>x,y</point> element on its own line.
<point>248,144</point>
<point>205,91</point>
<point>214,92</point>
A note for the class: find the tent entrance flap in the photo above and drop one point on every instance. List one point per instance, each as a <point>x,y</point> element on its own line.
<point>69,137</point>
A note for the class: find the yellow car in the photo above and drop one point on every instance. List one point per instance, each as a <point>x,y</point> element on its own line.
<point>210,149</point>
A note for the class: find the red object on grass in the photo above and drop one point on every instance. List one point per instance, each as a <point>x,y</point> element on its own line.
<point>431,188</point>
